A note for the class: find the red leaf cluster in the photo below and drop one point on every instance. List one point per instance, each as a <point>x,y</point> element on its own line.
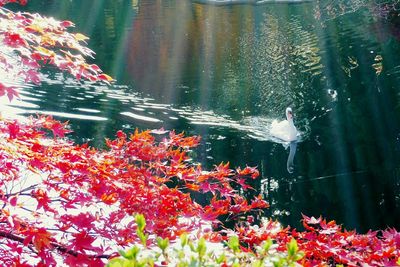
<point>77,202</point>
<point>21,2</point>
<point>35,41</point>
<point>328,244</point>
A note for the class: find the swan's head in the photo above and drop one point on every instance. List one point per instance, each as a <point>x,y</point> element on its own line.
<point>289,114</point>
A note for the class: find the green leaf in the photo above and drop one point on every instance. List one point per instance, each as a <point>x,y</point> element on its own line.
<point>192,248</point>
<point>120,262</point>
<point>201,247</point>
<point>143,237</point>
<point>280,263</point>
<point>162,243</point>
<point>184,239</point>
<point>267,245</point>
<point>221,258</point>
<point>131,253</point>
<point>233,243</point>
<point>299,256</point>
<point>181,254</point>
<point>115,262</point>
<point>258,263</point>
<point>123,254</point>
<point>182,264</point>
<point>140,221</point>
<point>292,248</point>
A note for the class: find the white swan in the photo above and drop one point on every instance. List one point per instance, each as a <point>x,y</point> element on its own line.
<point>285,130</point>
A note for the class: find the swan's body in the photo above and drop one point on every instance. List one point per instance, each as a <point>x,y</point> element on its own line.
<point>285,130</point>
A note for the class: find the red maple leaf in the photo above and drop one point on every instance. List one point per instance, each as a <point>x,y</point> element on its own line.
<point>9,91</point>
<point>82,260</point>
<point>42,199</point>
<point>40,238</point>
<point>13,129</point>
<point>67,23</point>
<point>32,75</point>
<point>82,220</point>
<point>83,241</point>
<point>242,182</point>
<point>14,40</point>
<point>59,129</point>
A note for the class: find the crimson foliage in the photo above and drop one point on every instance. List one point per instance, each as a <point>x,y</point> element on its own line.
<point>75,203</point>
<point>328,244</point>
<point>33,41</point>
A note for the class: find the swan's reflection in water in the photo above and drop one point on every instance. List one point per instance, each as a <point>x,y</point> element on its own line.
<point>292,152</point>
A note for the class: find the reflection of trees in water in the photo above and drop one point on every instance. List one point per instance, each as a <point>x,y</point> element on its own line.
<point>284,58</point>
<point>329,10</point>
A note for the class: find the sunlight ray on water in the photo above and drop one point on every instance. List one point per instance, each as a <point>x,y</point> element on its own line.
<point>67,115</point>
<point>140,117</point>
<point>88,110</point>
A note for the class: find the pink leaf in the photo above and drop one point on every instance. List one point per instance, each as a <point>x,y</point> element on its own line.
<point>67,23</point>
<point>13,201</point>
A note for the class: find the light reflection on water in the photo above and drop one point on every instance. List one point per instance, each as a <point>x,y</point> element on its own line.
<point>137,108</point>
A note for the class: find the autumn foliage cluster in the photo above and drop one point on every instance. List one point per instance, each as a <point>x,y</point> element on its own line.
<point>78,202</point>
<point>73,204</point>
<point>31,41</point>
<point>328,244</point>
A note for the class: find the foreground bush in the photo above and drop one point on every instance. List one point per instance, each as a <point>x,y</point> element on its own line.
<point>189,252</point>
<point>321,244</point>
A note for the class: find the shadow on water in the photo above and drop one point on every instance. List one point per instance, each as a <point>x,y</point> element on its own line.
<point>226,72</point>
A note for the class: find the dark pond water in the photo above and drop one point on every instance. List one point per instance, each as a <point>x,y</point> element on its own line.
<point>225,72</point>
